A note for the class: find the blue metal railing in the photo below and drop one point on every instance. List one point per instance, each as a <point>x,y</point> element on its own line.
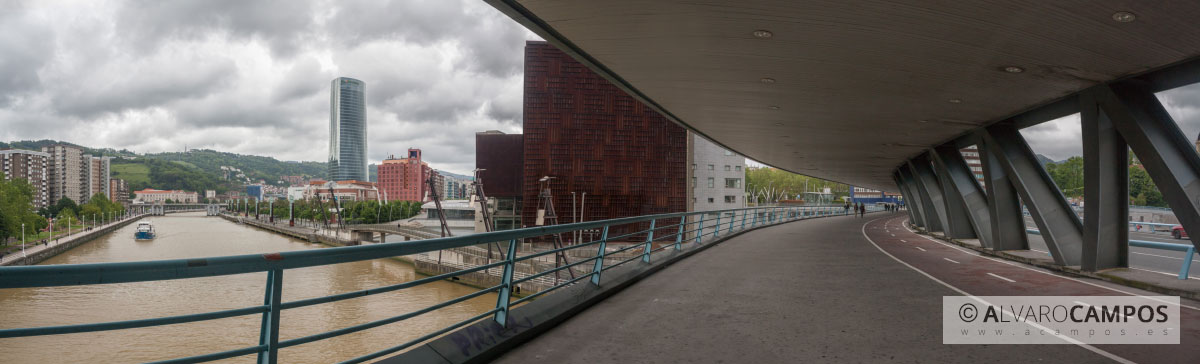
<point>1189,250</point>
<point>671,233</point>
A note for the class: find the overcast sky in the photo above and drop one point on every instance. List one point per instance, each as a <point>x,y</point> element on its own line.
<point>253,77</point>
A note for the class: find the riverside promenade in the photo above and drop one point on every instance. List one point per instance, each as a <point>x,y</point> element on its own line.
<point>37,251</point>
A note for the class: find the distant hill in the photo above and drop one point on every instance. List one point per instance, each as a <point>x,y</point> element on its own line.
<point>194,170</point>
<point>455,175</point>
<point>1044,160</point>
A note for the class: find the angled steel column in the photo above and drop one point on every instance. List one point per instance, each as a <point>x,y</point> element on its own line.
<point>1105,189</point>
<point>927,182</point>
<point>1161,147</point>
<point>1060,228</point>
<point>1004,205</point>
<point>966,205</point>
<point>915,203</point>
<point>908,199</point>
<point>928,217</point>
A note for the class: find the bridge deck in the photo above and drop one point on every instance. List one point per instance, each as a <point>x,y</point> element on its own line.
<point>809,291</point>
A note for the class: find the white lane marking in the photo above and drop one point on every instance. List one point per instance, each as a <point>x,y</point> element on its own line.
<point>1164,256</point>
<point>951,260</point>
<point>1022,266</point>
<point>998,276</point>
<point>919,248</point>
<point>1176,274</point>
<point>893,234</point>
<point>1093,349</point>
<point>903,241</point>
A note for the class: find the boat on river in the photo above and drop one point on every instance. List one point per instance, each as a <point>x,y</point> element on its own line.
<point>145,231</point>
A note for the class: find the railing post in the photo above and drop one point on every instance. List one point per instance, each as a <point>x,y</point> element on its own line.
<point>268,333</point>
<point>700,230</point>
<point>599,266</point>
<point>1187,263</point>
<point>505,295</point>
<point>679,235</point>
<point>732,219</point>
<point>649,239</point>
<point>717,227</point>
<point>744,213</point>
<point>754,222</point>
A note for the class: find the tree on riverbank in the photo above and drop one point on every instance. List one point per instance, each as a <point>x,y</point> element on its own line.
<point>16,208</point>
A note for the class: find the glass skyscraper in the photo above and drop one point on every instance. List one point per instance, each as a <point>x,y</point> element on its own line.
<point>347,130</point>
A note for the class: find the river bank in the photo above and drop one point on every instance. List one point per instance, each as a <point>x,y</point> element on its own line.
<point>36,253</point>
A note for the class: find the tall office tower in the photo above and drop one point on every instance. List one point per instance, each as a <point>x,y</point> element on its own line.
<point>590,136</point>
<point>347,130</point>
<point>98,177</point>
<point>31,167</point>
<point>68,173</point>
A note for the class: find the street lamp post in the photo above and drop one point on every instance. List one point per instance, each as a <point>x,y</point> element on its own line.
<point>23,241</point>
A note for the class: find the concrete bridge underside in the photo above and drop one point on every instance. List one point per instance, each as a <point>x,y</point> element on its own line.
<point>818,291</point>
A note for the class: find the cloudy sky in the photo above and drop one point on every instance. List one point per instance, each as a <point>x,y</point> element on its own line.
<point>253,77</point>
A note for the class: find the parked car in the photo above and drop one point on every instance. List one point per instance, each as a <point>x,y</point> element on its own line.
<point>1178,232</point>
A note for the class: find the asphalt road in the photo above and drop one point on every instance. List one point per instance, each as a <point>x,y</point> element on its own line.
<point>1155,260</point>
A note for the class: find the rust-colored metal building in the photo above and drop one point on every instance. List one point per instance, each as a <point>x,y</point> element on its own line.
<point>592,137</point>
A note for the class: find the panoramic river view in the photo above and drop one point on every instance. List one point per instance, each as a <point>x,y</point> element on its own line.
<point>194,235</point>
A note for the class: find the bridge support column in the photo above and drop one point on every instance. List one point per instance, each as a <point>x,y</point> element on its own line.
<point>1060,228</point>
<point>1106,189</point>
<point>908,199</point>
<point>917,204</point>
<point>382,237</point>
<point>966,206</point>
<point>1167,155</point>
<point>931,193</point>
<point>363,236</point>
<point>1004,205</point>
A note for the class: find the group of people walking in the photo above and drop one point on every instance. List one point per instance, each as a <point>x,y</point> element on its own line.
<point>860,210</point>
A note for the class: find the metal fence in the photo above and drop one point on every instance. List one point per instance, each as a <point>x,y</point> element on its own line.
<point>666,231</point>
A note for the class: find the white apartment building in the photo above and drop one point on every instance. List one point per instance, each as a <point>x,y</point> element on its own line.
<point>717,176</point>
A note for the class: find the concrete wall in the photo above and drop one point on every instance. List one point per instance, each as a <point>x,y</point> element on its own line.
<point>705,153</point>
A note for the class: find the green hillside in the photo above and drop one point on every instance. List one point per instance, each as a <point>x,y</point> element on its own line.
<point>194,170</point>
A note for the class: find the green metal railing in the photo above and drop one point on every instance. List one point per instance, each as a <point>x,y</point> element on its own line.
<point>671,230</point>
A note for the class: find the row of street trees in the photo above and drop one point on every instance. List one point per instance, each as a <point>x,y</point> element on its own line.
<point>769,185</point>
<point>16,208</point>
<point>1068,175</point>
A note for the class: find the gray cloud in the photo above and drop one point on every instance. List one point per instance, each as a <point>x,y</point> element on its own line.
<point>253,76</point>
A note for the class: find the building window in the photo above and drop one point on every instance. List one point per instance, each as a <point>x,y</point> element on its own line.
<point>710,167</point>
<point>733,182</point>
<point>693,166</point>
<point>726,168</point>
<point>710,183</point>
<point>737,168</point>
<point>730,199</point>
<point>728,152</point>
<point>710,200</point>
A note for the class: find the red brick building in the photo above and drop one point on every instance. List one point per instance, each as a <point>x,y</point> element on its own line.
<point>404,179</point>
<point>593,137</point>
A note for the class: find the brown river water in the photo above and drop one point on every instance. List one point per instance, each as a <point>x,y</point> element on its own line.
<point>194,235</point>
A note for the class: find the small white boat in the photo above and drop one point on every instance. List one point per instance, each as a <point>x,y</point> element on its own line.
<point>145,231</point>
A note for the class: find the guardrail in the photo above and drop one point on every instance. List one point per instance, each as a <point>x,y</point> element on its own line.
<point>1189,250</point>
<point>669,230</point>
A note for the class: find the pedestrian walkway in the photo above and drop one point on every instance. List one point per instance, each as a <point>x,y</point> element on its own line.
<point>34,247</point>
<point>807,291</point>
